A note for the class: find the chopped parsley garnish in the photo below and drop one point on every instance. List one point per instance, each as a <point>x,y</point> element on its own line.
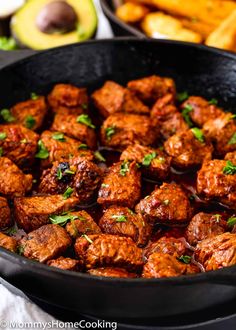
<point>69,172</point>
<point>232,139</point>
<point>185,259</point>
<point>166,202</point>
<point>185,113</point>
<point>124,168</point>
<point>23,141</point>
<point>20,249</point>
<point>34,96</point>
<point>99,156</point>
<point>1,151</point>
<point>68,193</point>
<point>87,238</point>
<point>83,146</point>
<point>213,102</point>
<point>119,218</point>
<point>59,137</point>
<point>3,135</point>
<point>181,97</point>
<point>148,159</point>
<point>131,212</point>
<point>84,106</point>
<point>85,120</point>
<point>8,43</point>
<point>217,217</point>
<point>30,121</point>
<point>7,116</point>
<point>104,185</point>
<point>62,219</point>
<point>59,173</point>
<point>198,134</point>
<point>230,168</point>
<point>231,221</point>
<point>11,231</point>
<point>109,131</point>
<point>42,151</point>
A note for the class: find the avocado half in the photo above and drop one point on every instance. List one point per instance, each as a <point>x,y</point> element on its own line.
<point>27,34</point>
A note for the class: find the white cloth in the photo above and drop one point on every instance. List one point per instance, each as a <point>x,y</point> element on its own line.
<point>14,308</point>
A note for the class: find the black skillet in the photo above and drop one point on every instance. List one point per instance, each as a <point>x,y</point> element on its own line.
<point>197,69</point>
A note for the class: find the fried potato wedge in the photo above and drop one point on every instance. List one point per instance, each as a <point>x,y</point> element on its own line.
<point>131,12</point>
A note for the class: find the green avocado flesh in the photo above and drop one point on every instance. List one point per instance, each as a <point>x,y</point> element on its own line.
<point>25,31</point>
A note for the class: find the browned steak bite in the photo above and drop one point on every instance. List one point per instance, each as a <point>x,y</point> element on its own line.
<point>5,214</point>
<point>121,185</point>
<point>60,147</point>
<point>112,272</point>
<point>18,143</point>
<point>65,264</point>
<point>109,250</point>
<point>205,225</point>
<point>30,113</point>
<point>149,89</point>
<point>119,131</point>
<point>200,110</point>
<point>68,99</point>
<point>118,220</point>
<point>78,173</point>
<point>112,98</point>
<point>231,156</point>
<point>154,162</point>
<point>8,242</point>
<point>77,127</point>
<point>188,149</point>
<point>13,182</point>
<point>81,223</point>
<point>45,243</point>
<point>170,245</point>
<point>168,205</point>
<point>217,252</point>
<point>33,212</point>
<point>217,180</point>
<point>222,132</point>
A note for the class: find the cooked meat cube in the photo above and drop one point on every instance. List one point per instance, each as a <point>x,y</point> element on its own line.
<point>231,156</point>
<point>222,132</point>
<point>173,124</point>
<point>5,214</point>
<point>163,107</point>
<point>13,182</point>
<point>8,242</point>
<point>30,113</point>
<point>124,222</point>
<point>80,224</point>
<point>217,252</point>
<point>18,144</point>
<point>205,225</point>
<point>154,162</point>
<point>109,250</point>
<point>119,131</point>
<point>68,99</point>
<point>168,205</point>
<point>65,263</point>
<point>33,212</point>
<point>45,243</point>
<point>201,110</point>
<point>69,125</point>
<point>112,98</point>
<point>61,147</point>
<point>170,245</point>
<point>163,265</point>
<point>121,185</point>
<point>188,149</point>
<point>217,180</point>
<point>78,173</point>
<point>111,272</point>
<point>149,89</point>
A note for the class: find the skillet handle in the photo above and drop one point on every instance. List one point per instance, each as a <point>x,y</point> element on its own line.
<point>9,57</point>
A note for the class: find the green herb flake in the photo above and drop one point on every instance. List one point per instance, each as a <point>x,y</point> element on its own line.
<point>166,202</point>
<point>181,97</point>
<point>34,96</point>
<point>23,141</point>
<point>84,106</point>
<point>1,151</point>
<point>59,173</point>
<point>185,113</point>
<point>213,102</point>
<point>7,116</point>
<point>119,218</point>
<point>21,250</point>
<point>30,121</point>
<point>110,131</point>
<point>230,168</point>
<point>11,231</point>
<point>8,43</point>
<point>217,217</point>
<point>131,212</point>
<point>42,151</point>
<point>99,156</point>
<point>85,120</point>
<point>58,137</point>
<point>124,168</point>
<point>148,159</point>
<point>87,238</point>
<point>68,193</point>
<point>83,146</point>
<point>232,139</point>
<point>3,135</point>
<point>62,219</point>
<point>231,221</point>
<point>104,185</point>
<point>198,134</point>
<point>185,259</point>
<point>69,172</point>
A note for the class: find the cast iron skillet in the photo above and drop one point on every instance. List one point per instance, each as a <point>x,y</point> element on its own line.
<point>197,69</point>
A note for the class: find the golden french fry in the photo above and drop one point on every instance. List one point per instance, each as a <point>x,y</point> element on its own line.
<point>131,12</point>
<point>159,25</point>
<point>225,35</point>
<point>197,26</point>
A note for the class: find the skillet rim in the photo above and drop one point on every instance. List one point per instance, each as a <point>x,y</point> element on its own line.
<point>43,269</point>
